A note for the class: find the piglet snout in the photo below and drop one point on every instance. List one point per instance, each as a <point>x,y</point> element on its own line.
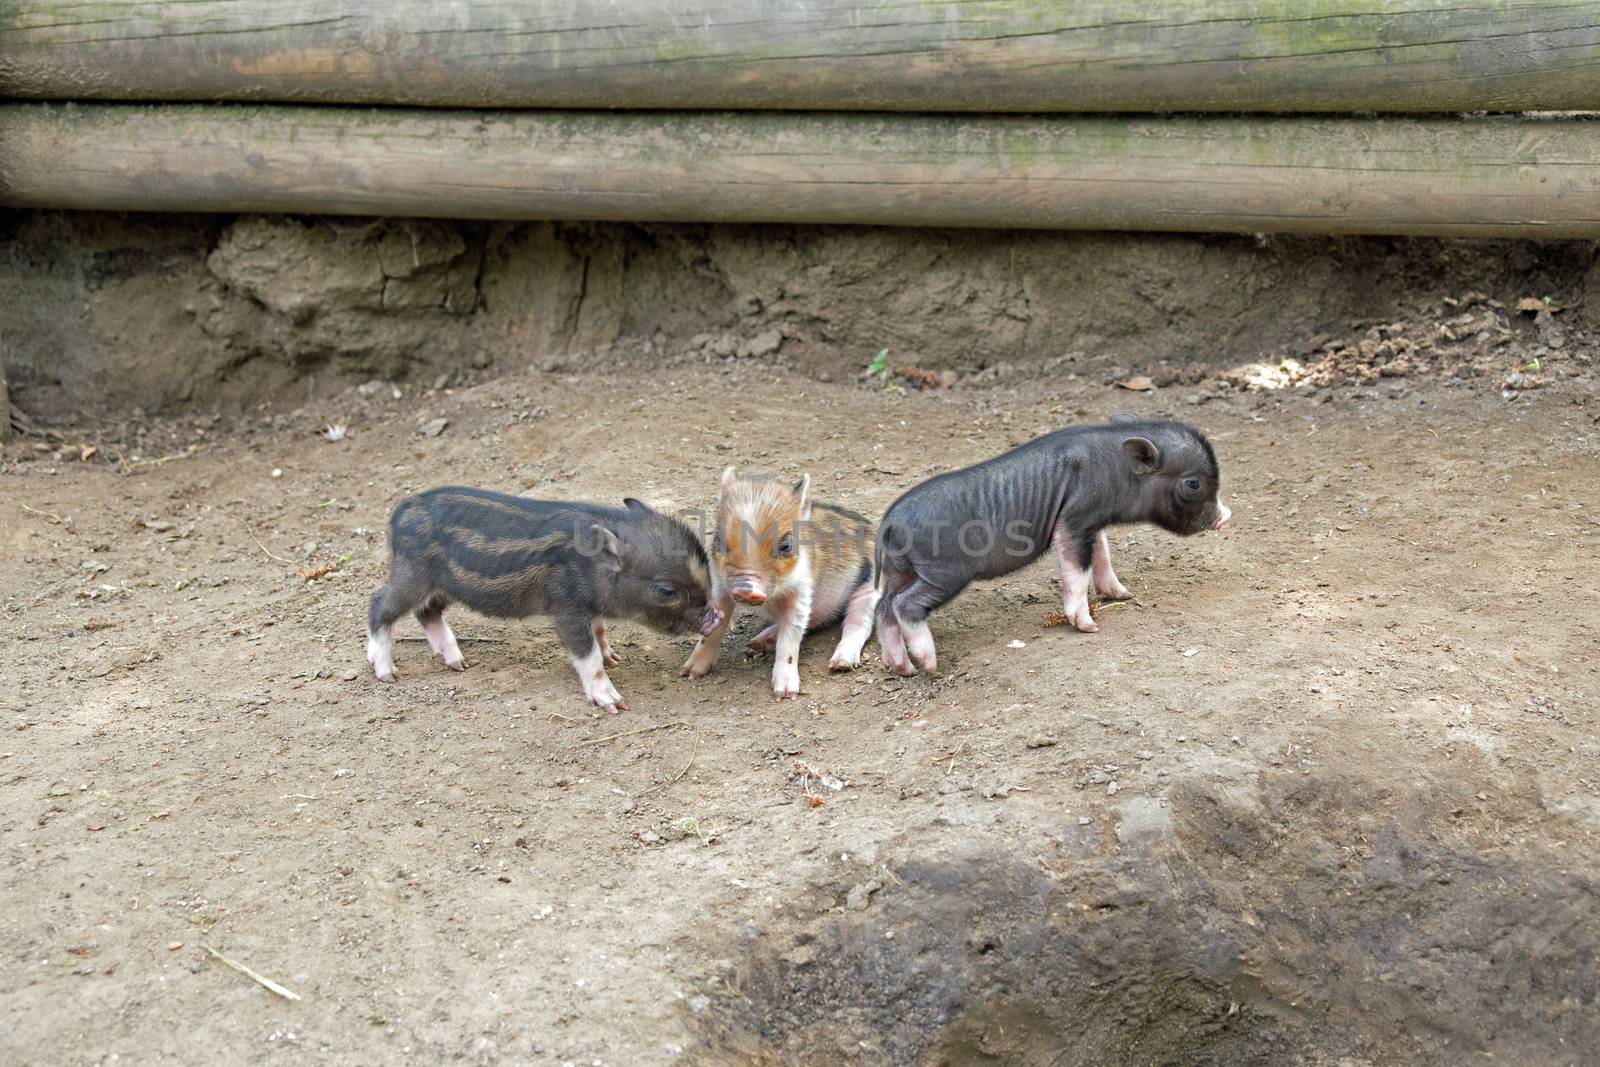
<point>746,591</point>
<point>1223,515</point>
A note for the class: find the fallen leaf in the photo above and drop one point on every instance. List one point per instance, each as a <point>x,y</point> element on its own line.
<point>87,453</point>
<point>1138,384</point>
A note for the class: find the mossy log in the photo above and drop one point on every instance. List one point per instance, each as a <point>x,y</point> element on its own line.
<point>889,55</point>
<point>1500,176</point>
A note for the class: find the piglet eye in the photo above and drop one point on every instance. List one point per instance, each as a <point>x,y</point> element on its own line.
<point>719,543</point>
<point>663,591</point>
<point>1191,485</point>
<point>786,546</point>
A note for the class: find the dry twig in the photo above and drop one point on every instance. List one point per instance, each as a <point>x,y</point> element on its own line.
<point>52,516</point>
<point>631,733</point>
<point>459,638</point>
<point>675,779</point>
<point>264,548</point>
<point>252,975</point>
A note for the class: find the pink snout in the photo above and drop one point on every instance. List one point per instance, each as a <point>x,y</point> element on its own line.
<point>1223,515</point>
<point>747,591</point>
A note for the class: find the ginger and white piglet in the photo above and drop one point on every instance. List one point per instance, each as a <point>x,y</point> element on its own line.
<point>806,565</point>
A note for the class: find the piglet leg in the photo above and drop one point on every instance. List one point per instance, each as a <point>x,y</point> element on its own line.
<point>380,653</point>
<point>441,638</point>
<point>398,596</point>
<point>763,642</point>
<point>911,609</point>
<point>1105,579</point>
<point>891,642</point>
<point>704,656</point>
<point>792,622</point>
<point>584,652</point>
<point>1070,550</point>
<point>610,657</point>
<point>857,628</point>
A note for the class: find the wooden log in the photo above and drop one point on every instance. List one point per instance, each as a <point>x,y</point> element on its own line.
<point>891,55</point>
<point>1506,176</point>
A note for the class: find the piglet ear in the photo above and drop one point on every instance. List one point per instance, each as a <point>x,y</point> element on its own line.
<point>604,547</point>
<point>637,505</point>
<point>1143,452</point>
<point>802,495</point>
<point>728,477</point>
<point>1124,416</point>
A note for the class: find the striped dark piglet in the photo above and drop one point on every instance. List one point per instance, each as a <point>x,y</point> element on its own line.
<point>512,557</point>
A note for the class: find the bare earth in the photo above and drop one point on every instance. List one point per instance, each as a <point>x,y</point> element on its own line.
<point>1328,791</point>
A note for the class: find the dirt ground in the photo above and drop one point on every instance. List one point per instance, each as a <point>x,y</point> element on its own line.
<point>1327,791</point>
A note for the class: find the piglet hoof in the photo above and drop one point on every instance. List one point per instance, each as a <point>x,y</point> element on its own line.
<point>1084,622</point>
<point>902,667</point>
<point>456,664</point>
<point>1113,591</point>
<point>843,662</point>
<point>765,641</point>
<point>383,673</point>
<point>602,694</point>
<point>786,681</point>
<point>697,665</point>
